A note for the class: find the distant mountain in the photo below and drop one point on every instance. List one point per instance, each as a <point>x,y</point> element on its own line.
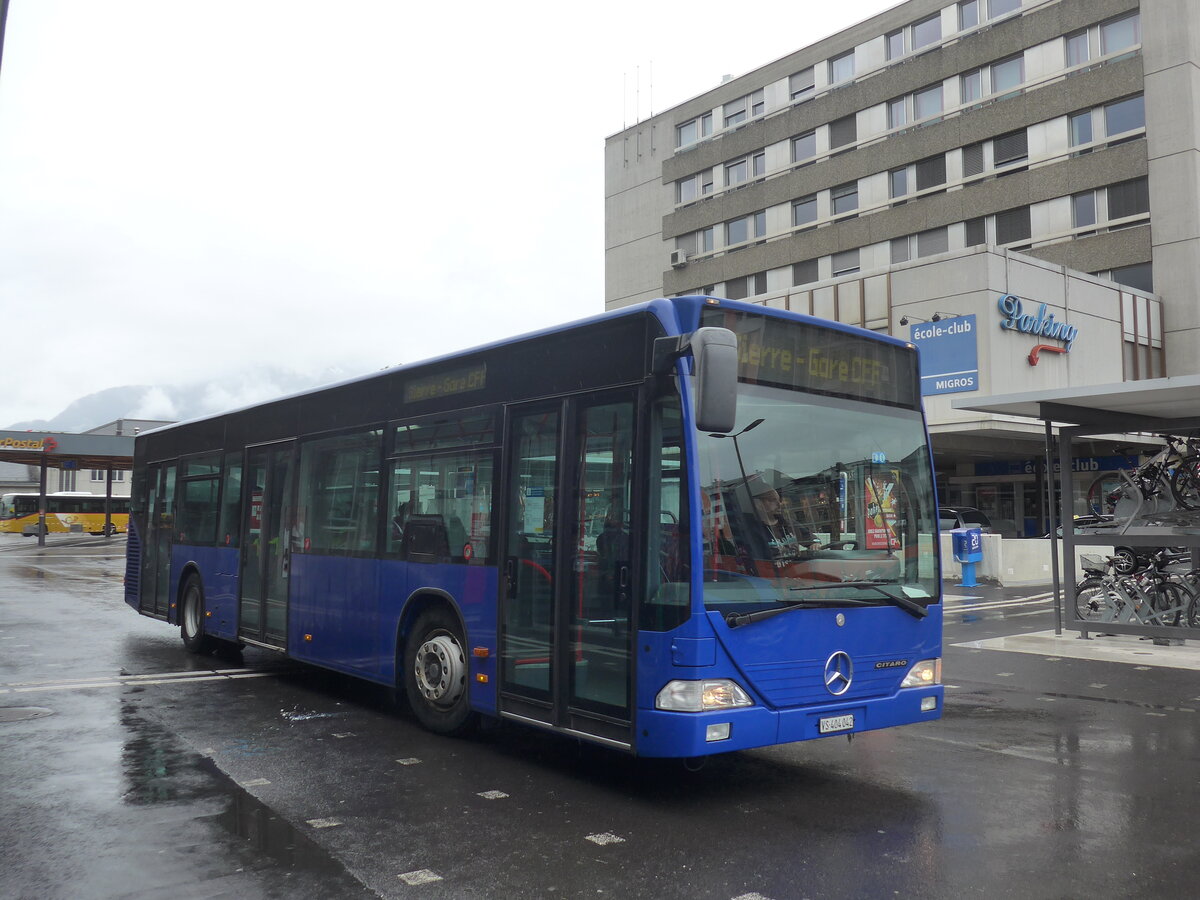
<point>181,401</point>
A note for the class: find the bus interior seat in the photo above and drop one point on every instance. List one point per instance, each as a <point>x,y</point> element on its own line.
<point>426,539</point>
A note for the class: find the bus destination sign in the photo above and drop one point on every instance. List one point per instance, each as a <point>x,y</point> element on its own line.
<point>809,357</point>
<point>446,384</point>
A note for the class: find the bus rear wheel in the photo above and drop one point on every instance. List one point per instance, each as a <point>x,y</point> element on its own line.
<point>191,618</point>
<point>435,673</point>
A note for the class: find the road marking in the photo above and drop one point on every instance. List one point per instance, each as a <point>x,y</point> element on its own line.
<point>324,823</point>
<point>77,684</point>
<point>605,838</point>
<point>492,795</point>
<point>420,876</point>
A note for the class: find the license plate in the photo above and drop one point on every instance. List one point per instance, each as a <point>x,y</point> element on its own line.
<point>836,723</point>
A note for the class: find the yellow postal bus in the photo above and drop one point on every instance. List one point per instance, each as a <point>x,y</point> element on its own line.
<point>65,511</point>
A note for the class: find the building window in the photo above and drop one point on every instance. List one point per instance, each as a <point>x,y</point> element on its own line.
<point>117,475</point>
<point>690,132</point>
<point>841,68</point>
<point>927,102</point>
<point>998,8</point>
<point>804,211</point>
<point>846,262</point>
<point>744,107</point>
<point>931,172</point>
<point>1013,225</point>
<point>743,229</point>
<point>843,131</point>
<point>804,272</point>
<point>804,147</point>
<point>758,163</point>
<point>972,160</point>
<point>693,188</point>
<point>1121,34</point>
<point>1129,198</point>
<point>737,172</point>
<point>707,238</point>
<point>737,231</point>
<point>1081,128</point>
<point>736,288</point>
<point>1138,276</point>
<point>801,84</point>
<point>898,112</point>
<point>1011,148</point>
<point>1125,115</point>
<point>899,182</point>
<point>971,88</point>
<point>844,198</point>
<point>900,251</point>
<point>968,14</point>
<point>1008,74</point>
<point>1083,209</point>
<point>895,45</point>
<point>935,240</point>
<point>1077,49</point>
<point>688,243</point>
<point>927,31</point>
<point>976,231</point>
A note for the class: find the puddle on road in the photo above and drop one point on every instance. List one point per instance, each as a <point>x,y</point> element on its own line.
<point>158,769</point>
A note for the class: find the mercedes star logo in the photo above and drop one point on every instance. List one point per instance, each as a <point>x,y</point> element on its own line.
<point>839,672</point>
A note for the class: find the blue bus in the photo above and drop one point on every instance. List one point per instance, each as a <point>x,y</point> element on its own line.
<point>680,528</point>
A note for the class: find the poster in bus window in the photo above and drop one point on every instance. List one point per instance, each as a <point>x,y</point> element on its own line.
<point>881,511</point>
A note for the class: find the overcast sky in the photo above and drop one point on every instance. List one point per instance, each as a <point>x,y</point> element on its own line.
<point>191,188</point>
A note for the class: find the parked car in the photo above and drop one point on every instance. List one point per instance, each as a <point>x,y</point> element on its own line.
<point>963,517</point>
<point>1126,560</point>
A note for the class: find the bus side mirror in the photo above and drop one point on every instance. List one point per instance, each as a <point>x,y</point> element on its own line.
<point>714,351</point>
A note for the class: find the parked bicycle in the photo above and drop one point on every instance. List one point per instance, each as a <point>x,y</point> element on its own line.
<point>1153,596</point>
<point>1167,481</point>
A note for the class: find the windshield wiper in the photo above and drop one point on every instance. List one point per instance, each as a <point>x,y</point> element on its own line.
<point>896,598</point>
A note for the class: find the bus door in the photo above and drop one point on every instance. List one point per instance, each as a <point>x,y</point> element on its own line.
<point>156,543</point>
<point>267,529</point>
<point>567,587</point>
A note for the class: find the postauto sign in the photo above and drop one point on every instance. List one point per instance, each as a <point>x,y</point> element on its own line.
<point>949,355</point>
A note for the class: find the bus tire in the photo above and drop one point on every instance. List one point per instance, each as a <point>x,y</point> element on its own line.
<point>435,673</point>
<point>191,617</point>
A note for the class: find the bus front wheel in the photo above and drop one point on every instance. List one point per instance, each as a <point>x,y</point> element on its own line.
<point>191,618</point>
<point>435,673</point>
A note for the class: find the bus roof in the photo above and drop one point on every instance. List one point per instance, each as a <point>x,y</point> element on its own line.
<point>674,314</point>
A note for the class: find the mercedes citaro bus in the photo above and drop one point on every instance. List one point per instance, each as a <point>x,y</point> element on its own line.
<point>569,529</point>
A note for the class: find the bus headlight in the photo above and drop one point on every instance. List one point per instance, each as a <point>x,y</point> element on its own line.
<point>926,673</point>
<point>701,696</point>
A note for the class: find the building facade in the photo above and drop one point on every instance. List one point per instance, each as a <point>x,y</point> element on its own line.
<point>939,160</point>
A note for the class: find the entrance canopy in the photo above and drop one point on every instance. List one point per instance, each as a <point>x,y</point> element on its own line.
<point>56,450</point>
<point>1126,406</point>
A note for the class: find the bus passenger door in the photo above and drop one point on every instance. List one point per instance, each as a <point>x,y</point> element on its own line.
<point>156,544</point>
<point>567,591</point>
<point>266,543</point>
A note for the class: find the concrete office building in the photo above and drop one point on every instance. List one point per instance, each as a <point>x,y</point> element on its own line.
<point>941,160</point>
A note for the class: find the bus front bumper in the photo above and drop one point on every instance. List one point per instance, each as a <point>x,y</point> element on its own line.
<point>686,734</point>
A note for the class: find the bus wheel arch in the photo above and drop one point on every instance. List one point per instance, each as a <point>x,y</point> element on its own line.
<point>191,612</point>
<point>434,666</point>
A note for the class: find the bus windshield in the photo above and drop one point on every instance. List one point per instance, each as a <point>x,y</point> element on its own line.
<point>815,500</point>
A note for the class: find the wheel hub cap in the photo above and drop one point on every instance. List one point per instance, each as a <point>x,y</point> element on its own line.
<point>441,670</point>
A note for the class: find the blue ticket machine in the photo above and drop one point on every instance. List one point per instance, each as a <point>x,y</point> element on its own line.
<point>968,550</point>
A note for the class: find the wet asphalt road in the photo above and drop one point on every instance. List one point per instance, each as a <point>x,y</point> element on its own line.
<point>155,773</point>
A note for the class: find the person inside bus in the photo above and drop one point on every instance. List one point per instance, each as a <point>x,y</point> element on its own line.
<point>768,533</point>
